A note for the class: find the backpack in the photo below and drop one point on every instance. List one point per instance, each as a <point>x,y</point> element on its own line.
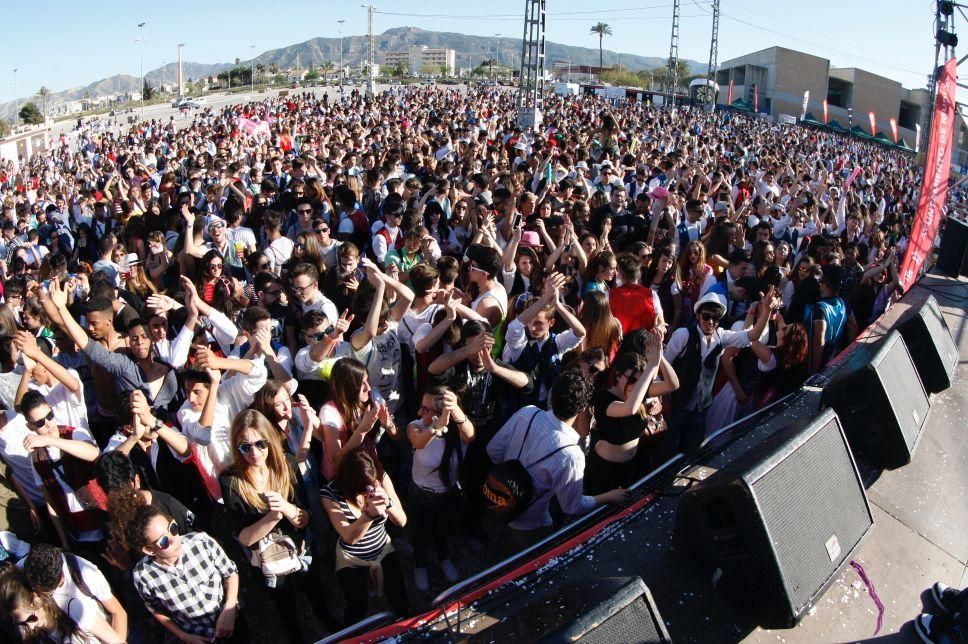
<point>508,488</point>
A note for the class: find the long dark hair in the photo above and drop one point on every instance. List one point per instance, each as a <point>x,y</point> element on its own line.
<point>452,440</point>
<point>357,470</point>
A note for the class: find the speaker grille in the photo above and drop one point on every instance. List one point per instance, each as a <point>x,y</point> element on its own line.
<point>903,388</point>
<point>810,505</point>
<point>938,330</point>
<point>635,623</point>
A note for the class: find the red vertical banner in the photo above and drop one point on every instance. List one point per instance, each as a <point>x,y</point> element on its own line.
<point>824,111</point>
<point>729,96</point>
<point>756,98</point>
<point>894,129</point>
<point>937,169</point>
<point>873,119</point>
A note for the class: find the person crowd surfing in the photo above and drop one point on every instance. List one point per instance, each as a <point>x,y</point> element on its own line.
<point>286,362</point>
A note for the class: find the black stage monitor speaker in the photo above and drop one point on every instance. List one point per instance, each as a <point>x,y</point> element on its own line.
<point>881,403</point>
<point>773,528</point>
<point>953,253</point>
<point>629,615</point>
<point>932,349</point>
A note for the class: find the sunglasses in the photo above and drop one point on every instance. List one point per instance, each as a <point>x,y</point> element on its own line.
<point>164,541</point>
<point>215,267</point>
<point>304,211</point>
<point>245,448</point>
<point>40,422</point>
<point>263,264</point>
<point>33,619</point>
<point>322,230</point>
<point>710,317</point>
<point>475,268</point>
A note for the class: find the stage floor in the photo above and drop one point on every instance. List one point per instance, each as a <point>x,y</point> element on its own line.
<point>920,536</point>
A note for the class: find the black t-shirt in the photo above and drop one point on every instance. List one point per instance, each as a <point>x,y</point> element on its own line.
<point>617,431</point>
<point>487,399</point>
<point>242,515</point>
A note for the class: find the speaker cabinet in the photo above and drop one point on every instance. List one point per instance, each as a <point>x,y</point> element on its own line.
<point>881,403</point>
<point>773,528</point>
<point>933,350</point>
<point>953,253</point>
<point>629,615</point>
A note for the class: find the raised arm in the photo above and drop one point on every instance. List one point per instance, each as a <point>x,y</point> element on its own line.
<point>58,297</point>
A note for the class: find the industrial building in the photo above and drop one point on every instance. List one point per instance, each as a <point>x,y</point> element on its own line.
<point>781,76</point>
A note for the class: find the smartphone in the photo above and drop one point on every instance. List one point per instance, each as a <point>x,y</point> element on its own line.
<point>516,221</point>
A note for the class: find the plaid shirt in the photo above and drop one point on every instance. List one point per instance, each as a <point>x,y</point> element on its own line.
<point>190,592</point>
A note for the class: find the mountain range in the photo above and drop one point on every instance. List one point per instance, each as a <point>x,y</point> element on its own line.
<point>470,51</point>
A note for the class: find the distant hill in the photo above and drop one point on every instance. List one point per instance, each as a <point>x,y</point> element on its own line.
<point>470,51</point>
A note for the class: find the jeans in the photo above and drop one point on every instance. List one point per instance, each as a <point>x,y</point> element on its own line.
<point>432,517</point>
<point>687,430</point>
<point>354,582</point>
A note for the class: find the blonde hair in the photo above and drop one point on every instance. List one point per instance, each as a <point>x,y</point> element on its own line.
<point>280,474</point>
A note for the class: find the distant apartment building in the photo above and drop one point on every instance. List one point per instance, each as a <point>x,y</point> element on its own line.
<point>421,59</point>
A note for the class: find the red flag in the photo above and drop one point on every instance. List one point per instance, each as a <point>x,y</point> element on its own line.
<point>729,96</point>
<point>756,98</point>
<point>894,129</point>
<point>825,111</point>
<point>873,123</point>
<point>937,169</point>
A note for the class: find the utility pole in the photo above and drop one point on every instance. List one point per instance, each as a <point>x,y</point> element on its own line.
<point>252,70</point>
<point>340,23</point>
<point>16,100</point>
<point>713,58</point>
<point>141,38</point>
<point>674,50</point>
<point>181,73</point>
<point>370,50</point>
<point>497,53</point>
<point>531,76</point>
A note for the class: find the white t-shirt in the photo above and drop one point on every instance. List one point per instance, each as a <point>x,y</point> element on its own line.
<point>324,304</point>
<point>84,610</point>
<point>241,234</point>
<point>73,504</point>
<point>12,437</point>
<point>426,462</point>
<point>412,321</point>
<point>381,356</point>
<point>69,408</point>
<point>279,252</point>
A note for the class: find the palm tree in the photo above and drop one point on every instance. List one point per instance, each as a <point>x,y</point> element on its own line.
<point>43,93</point>
<point>327,67</point>
<point>489,63</point>
<point>602,29</point>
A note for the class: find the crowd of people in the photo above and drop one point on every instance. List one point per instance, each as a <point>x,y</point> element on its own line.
<point>228,356</point>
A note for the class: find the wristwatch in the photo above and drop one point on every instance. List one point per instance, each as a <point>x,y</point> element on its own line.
<point>158,425</point>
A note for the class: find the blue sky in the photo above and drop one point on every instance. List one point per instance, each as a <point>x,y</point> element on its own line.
<point>67,44</point>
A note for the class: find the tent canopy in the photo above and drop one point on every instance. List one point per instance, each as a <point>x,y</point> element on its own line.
<point>835,125</point>
<point>742,104</point>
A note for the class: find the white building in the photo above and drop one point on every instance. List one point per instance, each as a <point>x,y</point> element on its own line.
<point>421,59</point>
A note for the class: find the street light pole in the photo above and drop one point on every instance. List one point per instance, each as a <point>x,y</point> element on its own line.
<point>252,71</point>
<point>497,53</point>
<point>340,23</point>
<point>16,101</point>
<point>181,73</point>
<point>141,37</point>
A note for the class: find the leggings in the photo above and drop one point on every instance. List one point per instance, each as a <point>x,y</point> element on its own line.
<point>354,581</point>
<point>432,516</point>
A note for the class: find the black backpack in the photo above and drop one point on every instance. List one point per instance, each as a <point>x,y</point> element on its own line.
<point>509,488</point>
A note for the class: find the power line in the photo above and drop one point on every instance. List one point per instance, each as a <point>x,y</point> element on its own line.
<point>517,16</point>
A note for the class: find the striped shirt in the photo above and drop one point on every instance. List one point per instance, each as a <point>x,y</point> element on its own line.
<point>376,538</point>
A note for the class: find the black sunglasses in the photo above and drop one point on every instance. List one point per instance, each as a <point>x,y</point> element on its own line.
<point>33,619</point>
<point>40,422</point>
<point>710,317</point>
<point>322,230</point>
<point>245,448</point>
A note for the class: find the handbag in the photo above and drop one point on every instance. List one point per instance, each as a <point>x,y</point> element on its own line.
<point>276,555</point>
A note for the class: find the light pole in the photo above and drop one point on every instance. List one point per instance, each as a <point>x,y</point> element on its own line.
<point>340,28</point>
<point>181,73</point>
<point>252,70</point>
<point>141,38</point>
<point>497,53</point>
<point>16,101</point>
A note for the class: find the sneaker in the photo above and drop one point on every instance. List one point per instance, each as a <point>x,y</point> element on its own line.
<point>450,571</point>
<point>933,629</point>
<point>420,579</point>
<point>945,598</point>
